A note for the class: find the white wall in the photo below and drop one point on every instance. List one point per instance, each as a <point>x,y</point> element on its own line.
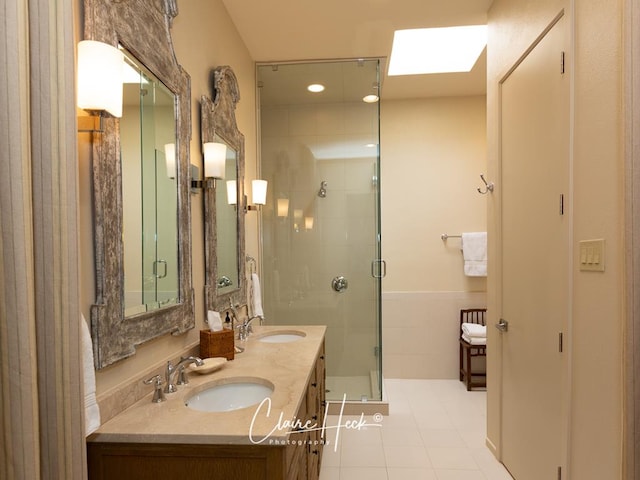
<point>433,151</point>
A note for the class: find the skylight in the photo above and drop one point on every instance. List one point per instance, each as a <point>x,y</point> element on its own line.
<point>436,50</point>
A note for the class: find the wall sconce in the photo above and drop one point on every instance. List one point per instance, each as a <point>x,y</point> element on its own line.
<point>215,159</point>
<point>232,192</point>
<point>170,159</point>
<point>100,75</point>
<point>308,223</point>
<point>258,194</point>
<point>283,207</point>
<point>215,163</point>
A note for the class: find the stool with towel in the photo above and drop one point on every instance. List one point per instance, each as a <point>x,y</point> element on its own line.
<point>473,343</point>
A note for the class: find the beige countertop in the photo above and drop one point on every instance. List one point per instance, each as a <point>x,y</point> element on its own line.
<point>285,365</point>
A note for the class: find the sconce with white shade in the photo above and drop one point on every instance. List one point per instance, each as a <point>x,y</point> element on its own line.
<point>170,159</point>
<point>215,158</point>
<point>99,82</point>
<point>215,164</point>
<point>232,192</point>
<point>283,207</point>
<point>258,194</point>
<point>308,223</point>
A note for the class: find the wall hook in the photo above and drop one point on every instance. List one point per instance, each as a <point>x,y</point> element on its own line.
<point>488,186</point>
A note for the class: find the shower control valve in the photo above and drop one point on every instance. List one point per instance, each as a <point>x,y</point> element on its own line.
<point>339,284</point>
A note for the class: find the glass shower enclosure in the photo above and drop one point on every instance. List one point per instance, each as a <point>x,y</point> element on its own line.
<point>321,225</point>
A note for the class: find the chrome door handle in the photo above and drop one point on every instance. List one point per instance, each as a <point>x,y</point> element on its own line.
<point>502,325</point>
<point>155,268</point>
<point>381,271</point>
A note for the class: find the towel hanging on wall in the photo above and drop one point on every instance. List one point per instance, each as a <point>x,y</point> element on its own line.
<point>474,252</point>
<point>256,302</point>
<point>91,409</point>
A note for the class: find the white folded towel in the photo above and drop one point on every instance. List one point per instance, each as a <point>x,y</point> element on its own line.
<point>474,340</point>
<point>91,409</point>
<point>257,295</point>
<point>474,330</point>
<point>474,252</point>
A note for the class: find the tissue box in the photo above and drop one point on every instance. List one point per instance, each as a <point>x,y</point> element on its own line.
<point>217,344</point>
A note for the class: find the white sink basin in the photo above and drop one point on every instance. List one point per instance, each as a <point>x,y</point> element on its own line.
<point>282,336</point>
<point>230,394</point>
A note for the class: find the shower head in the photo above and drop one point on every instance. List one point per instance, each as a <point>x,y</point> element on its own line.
<point>323,189</point>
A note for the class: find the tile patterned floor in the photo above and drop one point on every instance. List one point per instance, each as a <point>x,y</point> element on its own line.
<point>435,431</point>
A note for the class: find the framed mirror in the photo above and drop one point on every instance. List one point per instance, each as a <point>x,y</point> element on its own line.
<point>141,185</point>
<point>224,219</point>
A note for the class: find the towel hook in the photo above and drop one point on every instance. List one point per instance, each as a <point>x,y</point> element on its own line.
<point>488,186</point>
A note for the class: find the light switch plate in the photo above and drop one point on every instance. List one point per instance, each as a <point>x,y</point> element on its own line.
<point>592,255</point>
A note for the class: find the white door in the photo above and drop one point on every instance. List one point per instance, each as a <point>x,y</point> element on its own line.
<point>535,257</point>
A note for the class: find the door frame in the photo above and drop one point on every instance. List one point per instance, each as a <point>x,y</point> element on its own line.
<point>632,238</point>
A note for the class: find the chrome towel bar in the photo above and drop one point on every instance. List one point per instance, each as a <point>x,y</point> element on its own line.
<point>445,236</point>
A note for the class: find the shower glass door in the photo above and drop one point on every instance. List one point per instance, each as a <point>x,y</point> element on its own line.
<point>321,224</point>
<point>149,193</point>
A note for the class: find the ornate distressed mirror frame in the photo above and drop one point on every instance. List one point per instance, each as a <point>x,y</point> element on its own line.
<point>218,118</point>
<point>142,27</point>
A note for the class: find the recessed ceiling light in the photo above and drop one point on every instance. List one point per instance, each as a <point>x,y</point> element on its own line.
<point>316,88</point>
<point>370,98</point>
<point>436,50</point>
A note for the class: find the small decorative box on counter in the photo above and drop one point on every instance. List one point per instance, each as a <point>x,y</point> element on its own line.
<point>217,344</point>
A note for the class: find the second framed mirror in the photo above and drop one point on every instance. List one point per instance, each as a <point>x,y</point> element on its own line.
<point>224,197</point>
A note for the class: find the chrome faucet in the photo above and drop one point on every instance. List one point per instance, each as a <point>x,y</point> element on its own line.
<point>233,309</point>
<point>235,320</point>
<point>172,371</point>
<point>245,329</point>
<point>158,395</point>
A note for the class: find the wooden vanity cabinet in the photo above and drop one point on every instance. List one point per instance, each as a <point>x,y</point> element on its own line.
<point>298,460</point>
<point>309,451</point>
<point>316,407</point>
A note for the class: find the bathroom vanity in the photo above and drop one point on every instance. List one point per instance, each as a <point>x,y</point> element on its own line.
<point>280,437</point>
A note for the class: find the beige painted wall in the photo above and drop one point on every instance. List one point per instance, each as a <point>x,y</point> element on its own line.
<point>204,37</point>
<point>596,335</point>
<point>433,151</point>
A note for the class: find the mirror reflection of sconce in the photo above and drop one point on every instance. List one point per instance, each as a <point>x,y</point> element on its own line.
<point>308,223</point>
<point>298,215</point>
<point>258,193</point>
<point>100,77</point>
<point>283,207</point>
<point>215,157</point>
<point>170,159</point>
<point>232,192</point>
